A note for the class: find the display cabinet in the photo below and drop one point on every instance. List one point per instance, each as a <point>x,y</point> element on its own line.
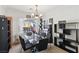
<point>68,40</point>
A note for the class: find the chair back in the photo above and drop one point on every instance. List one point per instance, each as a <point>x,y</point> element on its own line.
<point>22,43</point>
<point>42,44</point>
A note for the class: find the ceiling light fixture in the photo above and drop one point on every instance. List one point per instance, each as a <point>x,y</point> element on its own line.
<point>36,13</point>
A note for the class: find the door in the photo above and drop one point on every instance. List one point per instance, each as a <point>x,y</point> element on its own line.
<point>51,30</point>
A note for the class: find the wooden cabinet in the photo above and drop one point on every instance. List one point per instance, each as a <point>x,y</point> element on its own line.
<point>69,39</point>
<point>9,19</point>
<point>3,34</point>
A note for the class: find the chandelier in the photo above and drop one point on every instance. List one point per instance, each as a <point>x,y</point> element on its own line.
<point>36,14</point>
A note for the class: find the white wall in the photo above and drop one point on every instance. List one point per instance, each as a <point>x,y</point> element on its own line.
<point>16,15</point>
<point>2,11</point>
<point>64,12</point>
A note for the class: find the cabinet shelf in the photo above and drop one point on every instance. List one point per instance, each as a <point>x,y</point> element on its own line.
<point>71,29</point>
<point>73,47</point>
<point>67,31</point>
<point>70,40</point>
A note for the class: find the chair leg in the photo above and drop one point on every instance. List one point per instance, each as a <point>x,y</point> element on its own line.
<point>34,49</point>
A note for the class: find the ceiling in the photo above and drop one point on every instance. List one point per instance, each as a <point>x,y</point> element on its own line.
<point>30,8</point>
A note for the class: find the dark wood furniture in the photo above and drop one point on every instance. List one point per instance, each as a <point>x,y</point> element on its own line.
<point>43,44</point>
<point>27,45</point>
<point>9,19</point>
<point>68,38</point>
<point>3,34</point>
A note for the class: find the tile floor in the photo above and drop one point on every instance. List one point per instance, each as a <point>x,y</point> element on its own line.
<point>51,49</point>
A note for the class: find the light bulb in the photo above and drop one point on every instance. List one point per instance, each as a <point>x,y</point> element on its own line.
<point>40,15</point>
<point>32,14</point>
